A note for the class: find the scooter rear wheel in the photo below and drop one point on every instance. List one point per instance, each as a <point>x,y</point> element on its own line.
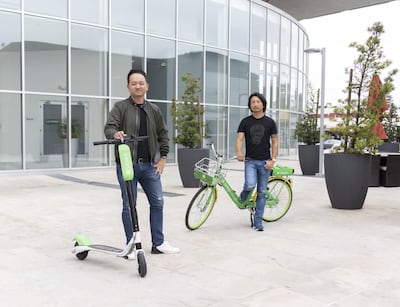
<point>82,255</point>
<point>142,267</point>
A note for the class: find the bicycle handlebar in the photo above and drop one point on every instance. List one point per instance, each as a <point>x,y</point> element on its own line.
<point>121,141</point>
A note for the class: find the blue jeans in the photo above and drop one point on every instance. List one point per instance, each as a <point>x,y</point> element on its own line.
<point>146,175</point>
<point>256,175</point>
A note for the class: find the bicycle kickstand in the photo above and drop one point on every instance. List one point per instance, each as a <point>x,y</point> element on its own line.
<point>251,216</point>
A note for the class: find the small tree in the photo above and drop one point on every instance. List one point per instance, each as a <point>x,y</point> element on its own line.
<point>307,130</point>
<point>391,122</point>
<point>356,119</point>
<point>187,115</point>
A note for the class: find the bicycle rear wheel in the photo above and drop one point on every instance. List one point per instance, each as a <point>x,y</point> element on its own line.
<point>200,207</point>
<point>281,193</point>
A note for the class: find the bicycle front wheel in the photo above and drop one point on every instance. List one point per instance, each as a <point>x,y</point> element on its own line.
<point>279,199</point>
<point>200,207</point>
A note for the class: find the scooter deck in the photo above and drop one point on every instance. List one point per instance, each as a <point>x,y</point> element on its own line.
<point>106,248</point>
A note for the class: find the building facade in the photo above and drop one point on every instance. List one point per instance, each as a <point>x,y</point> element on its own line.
<point>64,64</point>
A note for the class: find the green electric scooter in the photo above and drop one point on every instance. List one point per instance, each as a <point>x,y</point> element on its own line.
<point>134,247</point>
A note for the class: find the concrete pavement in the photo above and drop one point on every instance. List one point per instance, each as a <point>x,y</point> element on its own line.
<point>314,256</point>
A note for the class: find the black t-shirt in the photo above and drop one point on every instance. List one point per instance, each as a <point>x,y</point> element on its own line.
<point>257,134</point>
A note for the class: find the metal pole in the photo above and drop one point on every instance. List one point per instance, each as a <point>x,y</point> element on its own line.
<point>322,116</point>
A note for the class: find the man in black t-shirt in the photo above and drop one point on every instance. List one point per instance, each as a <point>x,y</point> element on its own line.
<point>257,130</point>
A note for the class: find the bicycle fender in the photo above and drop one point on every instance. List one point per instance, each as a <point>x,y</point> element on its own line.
<point>126,162</point>
<point>82,240</point>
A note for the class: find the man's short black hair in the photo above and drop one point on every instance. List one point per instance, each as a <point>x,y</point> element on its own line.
<point>261,97</point>
<point>136,71</point>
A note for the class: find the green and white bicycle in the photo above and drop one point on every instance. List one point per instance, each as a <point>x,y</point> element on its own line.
<point>212,174</point>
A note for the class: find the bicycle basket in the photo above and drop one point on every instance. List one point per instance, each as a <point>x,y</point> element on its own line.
<point>207,171</point>
<point>281,170</point>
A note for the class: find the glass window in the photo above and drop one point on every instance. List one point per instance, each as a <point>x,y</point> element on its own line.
<point>56,8</point>
<point>46,145</point>
<point>258,29</point>
<point>217,23</point>
<point>217,126</point>
<point>89,67</point>
<point>10,125</point>
<point>273,85</point>
<point>10,4</point>
<point>239,25</point>
<point>10,51</point>
<point>46,55</point>
<point>127,51</point>
<point>235,117</point>
<point>216,76</point>
<point>294,99</point>
<point>273,33</point>
<point>239,79</point>
<point>190,60</point>
<point>285,41</point>
<point>295,46</point>
<point>93,11</point>
<point>257,75</point>
<point>161,17</point>
<point>128,14</point>
<point>190,20</point>
<point>284,87</point>
<point>90,114</point>
<point>161,68</point>
<point>301,51</point>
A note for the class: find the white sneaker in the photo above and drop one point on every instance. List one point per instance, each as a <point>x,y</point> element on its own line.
<point>165,248</point>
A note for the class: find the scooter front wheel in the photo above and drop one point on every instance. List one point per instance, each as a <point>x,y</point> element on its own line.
<point>142,267</point>
<point>82,255</point>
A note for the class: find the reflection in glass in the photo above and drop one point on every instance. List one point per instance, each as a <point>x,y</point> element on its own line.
<point>46,55</point>
<point>284,88</point>
<point>235,116</point>
<point>56,8</point>
<point>161,68</point>
<point>257,75</point>
<point>127,51</point>
<point>10,51</point>
<point>294,99</point>
<point>216,76</point>
<point>190,20</point>
<point>285,40</point>
<point>295,46</point>
<point>216,126</point>
<point>273,85</point>
<point>86,154</point>
<point>10,4</point>
<point>217,23</point>
<point>46,144</point>
<point>239,82</point>
<point>239,25</point>
<point>258,29</point>
<point>273,33</point>
<point>128,14</point>
<point>10,125</point>
<point>158,22</point>
<point>89,66</point>
<point>93,11</point>
<point>190,60</point>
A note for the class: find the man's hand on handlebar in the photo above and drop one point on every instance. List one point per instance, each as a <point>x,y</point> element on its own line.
<point>119,135</point>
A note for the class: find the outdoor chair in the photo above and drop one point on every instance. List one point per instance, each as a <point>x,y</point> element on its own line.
<point>390,171</point>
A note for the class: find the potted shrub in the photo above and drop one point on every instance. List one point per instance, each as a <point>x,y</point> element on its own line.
<point>187,117</point>
<point>348,170</point>
<point>307,133</point>
<point>75,134</point>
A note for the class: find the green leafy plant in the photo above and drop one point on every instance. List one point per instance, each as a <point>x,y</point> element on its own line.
<point>187,115</point>
<point>391,123</point>
<point>355,117</point>
<point>63,129</point>
<point>307,130</point>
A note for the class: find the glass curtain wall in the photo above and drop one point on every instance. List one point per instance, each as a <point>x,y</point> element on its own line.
<point>62,71</point>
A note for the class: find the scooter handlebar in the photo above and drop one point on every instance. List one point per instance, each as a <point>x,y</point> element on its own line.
<point>121,141</point>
